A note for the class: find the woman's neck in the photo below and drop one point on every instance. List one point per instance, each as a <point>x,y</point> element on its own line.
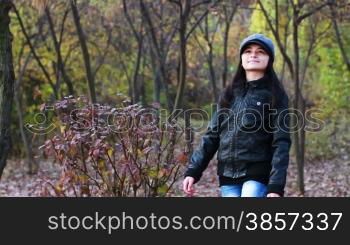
<point>250,76</point>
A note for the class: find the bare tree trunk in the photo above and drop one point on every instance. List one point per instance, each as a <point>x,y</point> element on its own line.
<point>135,89</point>
<point>298,96</point>
<point>210,55</point>
<point>185,8</point>
<point>124,68</point>
<point>212,73</point>
<point>184,15</point>
<point>157,78</point>
<point>139,38</point>
<point>338,36</point>
<point>225,68</point>
<point>85,51</point>
<point>285,44</point>
<point>302,135</point>
<point>299,101</point>
<point>7,79</point>
<point>228,20</point>
<point>36,57</point>
<point>298,137</point>
<point>32,164</point>
<point>136,85</point>
<point>61,66</point>
<point>142,83</point>
<point>183,71</point>
<point>158,55</point>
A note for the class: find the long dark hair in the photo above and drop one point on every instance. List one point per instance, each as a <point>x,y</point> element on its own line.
<point>239,82</point>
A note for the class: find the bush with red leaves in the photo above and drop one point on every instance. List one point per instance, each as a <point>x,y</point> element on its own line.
<point>105,151</point>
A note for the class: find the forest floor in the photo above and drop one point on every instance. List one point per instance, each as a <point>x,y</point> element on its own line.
<point>328,178</point>
<point>323,178</point>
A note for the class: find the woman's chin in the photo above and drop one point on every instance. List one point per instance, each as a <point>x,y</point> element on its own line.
<point>254,68</point>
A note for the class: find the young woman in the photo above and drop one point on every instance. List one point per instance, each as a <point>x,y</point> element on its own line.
<point>250,129</point>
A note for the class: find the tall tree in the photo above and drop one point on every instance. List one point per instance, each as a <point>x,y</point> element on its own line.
<point>85,51</point>
<point>186,9</point>
<point>333,9</point>
<point>298,16</point>
<point>159,42</point>
<point>209,37</point>
<point>7,78</point>
<point>35,55</point>
<point>57,44</point>
<point>139,36</point>
<point>27,143</point>
<point>229,9</point>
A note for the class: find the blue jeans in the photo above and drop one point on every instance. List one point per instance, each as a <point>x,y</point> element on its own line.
<point>250,188</point>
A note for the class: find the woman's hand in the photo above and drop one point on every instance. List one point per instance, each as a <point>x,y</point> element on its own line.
<point>188,185</point>
<point>273,195</point>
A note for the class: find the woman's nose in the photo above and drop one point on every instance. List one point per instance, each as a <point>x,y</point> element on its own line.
<point>253,54</point>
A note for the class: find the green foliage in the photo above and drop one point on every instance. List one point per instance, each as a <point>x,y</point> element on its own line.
<point>333,80</point>
<point>331,141</point>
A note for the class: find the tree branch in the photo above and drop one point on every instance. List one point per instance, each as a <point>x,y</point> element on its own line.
<point>311,12</point>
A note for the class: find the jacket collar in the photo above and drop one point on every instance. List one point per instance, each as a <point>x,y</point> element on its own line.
<point>261,82</point>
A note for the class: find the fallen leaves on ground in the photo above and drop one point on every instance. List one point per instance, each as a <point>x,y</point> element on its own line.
<point>326,178</point>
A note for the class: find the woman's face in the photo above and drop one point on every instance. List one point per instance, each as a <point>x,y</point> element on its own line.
<point>254,58</point>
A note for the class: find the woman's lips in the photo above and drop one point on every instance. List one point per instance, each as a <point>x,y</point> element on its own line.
<point>253,61</point>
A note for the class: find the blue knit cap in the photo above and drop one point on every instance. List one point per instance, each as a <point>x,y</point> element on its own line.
<point>260,39</point>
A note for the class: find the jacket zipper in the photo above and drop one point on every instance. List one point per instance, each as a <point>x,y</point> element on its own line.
<point>237,126</point>
<point>236,131</point>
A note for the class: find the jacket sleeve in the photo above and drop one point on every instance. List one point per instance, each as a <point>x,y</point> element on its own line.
<point>281,143</point>
<point>206,149</point>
